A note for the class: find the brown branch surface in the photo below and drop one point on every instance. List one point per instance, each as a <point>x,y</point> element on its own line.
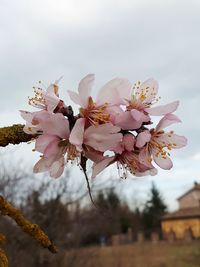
<point>13,135</point>
<point>3,257</point>
<point>33,230</point>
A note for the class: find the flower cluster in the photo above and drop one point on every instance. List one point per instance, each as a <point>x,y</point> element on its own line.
<point>113,128</point>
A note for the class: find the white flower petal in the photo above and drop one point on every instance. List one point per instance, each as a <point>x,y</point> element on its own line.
<point>57,168</point>
<point>143,138</point>
<point>163,110</point>
<point>77,134</point>
<point>114,92</point>
<point>163,162</point>
<point>149,89</point>
<point>75,97</point>
<point>166,121</point>
<point>99,167</point>
<point>84,89</point>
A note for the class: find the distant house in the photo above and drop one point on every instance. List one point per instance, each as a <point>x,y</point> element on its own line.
<point>187,218</point>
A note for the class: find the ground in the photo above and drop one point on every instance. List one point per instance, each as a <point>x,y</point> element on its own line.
<point>144,255</point>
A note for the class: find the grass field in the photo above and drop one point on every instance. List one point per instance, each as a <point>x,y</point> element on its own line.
<point>143,255</point>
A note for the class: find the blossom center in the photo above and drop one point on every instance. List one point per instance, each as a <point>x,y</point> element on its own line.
<point>162,145</point>
<point>140,97</point>
<point>72,152</point>
<point>127,162</point>
<point>95,114</point>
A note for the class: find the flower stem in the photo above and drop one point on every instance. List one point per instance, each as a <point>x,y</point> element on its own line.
<point>83,166</point>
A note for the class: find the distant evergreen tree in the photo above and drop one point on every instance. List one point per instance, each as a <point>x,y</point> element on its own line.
<point>113,200</point>
<point>108,200</point>
<point>101,200</point>
<point>153,211</point>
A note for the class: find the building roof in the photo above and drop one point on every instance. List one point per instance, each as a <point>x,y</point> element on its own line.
<point>183,214</point>
<point>195,187</point>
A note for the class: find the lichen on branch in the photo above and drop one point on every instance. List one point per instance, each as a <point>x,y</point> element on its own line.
<point>33,230</point>
<point>13,135</point>
<point>3,257</point>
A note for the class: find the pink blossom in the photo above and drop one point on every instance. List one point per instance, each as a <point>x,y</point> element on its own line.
<point>104,126</point>
<point>127,160</point>
<point>53,155</point>
<point>30,127</point>
<point>46,123</point>
<point>46,99</point>
<point>111,94</point>
<point>131,120</point>
<point>139,106</point>
<point>156,144</point>
<point>53,142</point>
<point>101,138</point>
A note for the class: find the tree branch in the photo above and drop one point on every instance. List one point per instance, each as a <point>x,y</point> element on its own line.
<point>14,135</point>
<point>33,230</point>
<point>3,257</point>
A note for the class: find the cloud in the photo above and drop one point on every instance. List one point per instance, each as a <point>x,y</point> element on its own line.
<point>196,157</point>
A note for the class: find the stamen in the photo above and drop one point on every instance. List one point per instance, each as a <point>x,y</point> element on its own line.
<point>38,99</point>
<point>139,98</point>
<point>72,152</point>
<point>95,115</point>
<point>161,145</point>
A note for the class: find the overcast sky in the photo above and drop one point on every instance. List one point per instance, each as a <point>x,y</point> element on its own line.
<point>136,39</point>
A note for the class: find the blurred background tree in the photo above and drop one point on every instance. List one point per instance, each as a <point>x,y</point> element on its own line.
<point>153,211</point>
<point>69,218</point>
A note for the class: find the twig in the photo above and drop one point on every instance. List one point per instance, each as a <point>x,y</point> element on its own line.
<point>100,210</point>
<point>83,166</point>
<point>32,229</point>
